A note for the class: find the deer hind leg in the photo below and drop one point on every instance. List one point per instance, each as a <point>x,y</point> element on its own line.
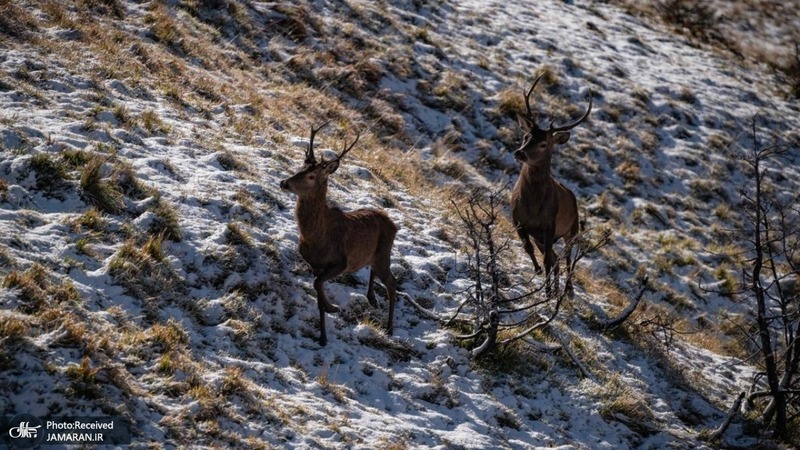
<point>569,240</point>
<point>389,281</point>
<point>526,243</point>
<point>568,249</point>
<point>371,288</point>
<point>381,268</point>
<point>568,287</point>
<point>555,267</point>
<point>550,264</point>
<point>324,305</point>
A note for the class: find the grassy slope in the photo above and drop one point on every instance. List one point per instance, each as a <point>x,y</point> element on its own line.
<point>191,113</point>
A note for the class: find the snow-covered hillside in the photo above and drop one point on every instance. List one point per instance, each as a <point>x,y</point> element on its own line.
<point>149,258</point>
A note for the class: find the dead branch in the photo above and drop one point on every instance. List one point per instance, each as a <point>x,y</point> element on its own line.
<point>543,322</point>
<point>541,346</point>
<point>623,316</point>
<point>717,434</point>
<point>491,337</point>
<point>572,356</point>
<point>420,309</point>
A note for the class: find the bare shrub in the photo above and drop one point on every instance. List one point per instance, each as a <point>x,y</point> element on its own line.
<point>787,73</point>
<point>693,17</point>
<point>770,232</point>
<point>499,309</point>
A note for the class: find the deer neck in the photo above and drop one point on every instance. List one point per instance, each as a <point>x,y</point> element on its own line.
<point>535,180</point>
<point>313,216</point>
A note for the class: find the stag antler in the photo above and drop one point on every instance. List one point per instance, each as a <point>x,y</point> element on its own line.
<point>310,159</point>
<point>575,124</point>
<point>345,148</point>
<point>528,96</point>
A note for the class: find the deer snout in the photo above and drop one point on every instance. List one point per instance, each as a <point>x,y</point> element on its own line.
<point>519,155</point>
<point>285,185</point>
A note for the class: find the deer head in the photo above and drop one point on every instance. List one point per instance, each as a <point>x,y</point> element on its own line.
<point>538,143</point>
<point>313,176</point>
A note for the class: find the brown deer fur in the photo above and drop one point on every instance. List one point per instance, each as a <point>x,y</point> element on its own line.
<point>541,207</point>
<point>335,242</point>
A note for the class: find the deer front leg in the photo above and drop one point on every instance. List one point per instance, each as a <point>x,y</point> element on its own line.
<point>568,287</point>
<point>526,243</point>
<point>324,305</point>
<point>549,261</point>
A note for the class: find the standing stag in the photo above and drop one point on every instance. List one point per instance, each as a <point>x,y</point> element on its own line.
<point>335,242</point>
<point>541,207</point>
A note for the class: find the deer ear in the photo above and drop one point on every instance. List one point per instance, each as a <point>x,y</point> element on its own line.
<point>525,123</point>
<point>562,137</point>
<point>331,166</point>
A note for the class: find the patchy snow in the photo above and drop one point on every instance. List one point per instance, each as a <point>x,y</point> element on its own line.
<point>221,334</point>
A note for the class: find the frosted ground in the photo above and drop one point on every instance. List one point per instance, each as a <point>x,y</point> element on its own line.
<point>189,311</point>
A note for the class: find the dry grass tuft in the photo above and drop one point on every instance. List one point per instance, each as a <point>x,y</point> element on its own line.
<point>104,195</point>
<point>293,22</point>
<point>169,336</point>
<point>166,223</point>
<point>13,328</point>
<point>84,379</point>
<point>104,7</point>
<point>163,26</point>
<point>375,337</point>
<point>233,382</point>
<point>15,21</point>
<point>124,176</point>
<point>152,122</point>
<point>66,293</point>
<point>339,392</point>
<point>620,402</point>
<point>75,159</point>
<point>142,274</point>
<point>92,220</point>
<point>228,161</point>
<point>51,174</point>
<point>511,101</point>
<point>31,287</point>
<point>391,122</point>
<point>235,235</point>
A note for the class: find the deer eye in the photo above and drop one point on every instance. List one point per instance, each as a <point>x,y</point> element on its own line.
<point>311,177</point>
